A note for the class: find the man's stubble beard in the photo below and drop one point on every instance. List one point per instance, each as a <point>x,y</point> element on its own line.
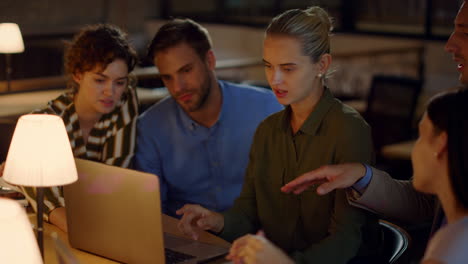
<point>204,92</point>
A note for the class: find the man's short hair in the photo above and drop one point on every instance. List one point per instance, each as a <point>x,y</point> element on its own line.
<point>180,31</point>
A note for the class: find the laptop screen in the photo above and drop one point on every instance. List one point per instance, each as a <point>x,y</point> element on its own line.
<point>115,213</point>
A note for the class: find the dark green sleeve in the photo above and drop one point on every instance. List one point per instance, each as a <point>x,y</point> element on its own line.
<point>350,227</point>
<point>241,218</point>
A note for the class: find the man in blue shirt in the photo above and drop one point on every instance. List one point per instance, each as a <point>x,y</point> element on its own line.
<point>197,140</point>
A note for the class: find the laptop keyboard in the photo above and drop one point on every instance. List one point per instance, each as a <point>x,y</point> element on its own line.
<point>176,257</point>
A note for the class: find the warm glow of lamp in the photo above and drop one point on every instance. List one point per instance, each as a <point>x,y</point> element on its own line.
<point>11,41</point>
<point>17,242</point>
<point>40,156</point>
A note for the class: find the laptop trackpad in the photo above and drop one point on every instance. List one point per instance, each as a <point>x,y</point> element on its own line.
<point>192,247</point>
<point>171,241</point>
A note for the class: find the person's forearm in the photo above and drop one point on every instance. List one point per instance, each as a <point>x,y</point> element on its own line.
<point>394,199</point>
<point>58,217</point>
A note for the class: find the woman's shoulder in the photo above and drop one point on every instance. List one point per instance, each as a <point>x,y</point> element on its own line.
<point>449,243</point>
<point>344,116</point>
<point>344,111</point>
<point>274,120</point>
<point>454,233</point>
<point>58,105</point>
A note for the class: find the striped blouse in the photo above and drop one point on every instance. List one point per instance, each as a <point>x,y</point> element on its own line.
<point>111,140</point>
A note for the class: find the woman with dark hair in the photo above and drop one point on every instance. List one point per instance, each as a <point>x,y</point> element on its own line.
<point>440,164</point>
<point>100,109</point>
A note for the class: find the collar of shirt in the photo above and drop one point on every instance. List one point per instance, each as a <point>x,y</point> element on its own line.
<point>312,123</point>
<point>192,125</point>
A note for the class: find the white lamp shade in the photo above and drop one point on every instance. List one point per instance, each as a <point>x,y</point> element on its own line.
<point>11,40</point>
<point>17,241</point>
<point>40,154</point>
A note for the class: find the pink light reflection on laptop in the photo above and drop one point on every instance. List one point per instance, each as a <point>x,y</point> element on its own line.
<point>105,185</point>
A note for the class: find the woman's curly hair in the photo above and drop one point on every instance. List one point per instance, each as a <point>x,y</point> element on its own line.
<point>97,46</point>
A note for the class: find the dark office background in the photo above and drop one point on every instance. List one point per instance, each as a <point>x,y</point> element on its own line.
<point>45,24</point>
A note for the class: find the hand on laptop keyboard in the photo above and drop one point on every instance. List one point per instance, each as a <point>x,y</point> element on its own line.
<point>195,217</point>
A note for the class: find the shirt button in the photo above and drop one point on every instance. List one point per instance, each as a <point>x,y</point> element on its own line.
<point>219,189</point>
<point>215,164</point>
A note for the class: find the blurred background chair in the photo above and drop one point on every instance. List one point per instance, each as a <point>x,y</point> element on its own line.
<point>396,241</point>
<point>391,106</point>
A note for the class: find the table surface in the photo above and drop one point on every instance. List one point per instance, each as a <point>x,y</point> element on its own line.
<point>141,73</point>
<point>400,150</point>
<point>169,226</point>
<point>16,104</point>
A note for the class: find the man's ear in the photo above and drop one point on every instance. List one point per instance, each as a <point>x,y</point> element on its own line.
<point>210,59</point>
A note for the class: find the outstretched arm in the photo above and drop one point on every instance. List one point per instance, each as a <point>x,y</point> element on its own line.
<point>383,195</point>
<point>329,178</point>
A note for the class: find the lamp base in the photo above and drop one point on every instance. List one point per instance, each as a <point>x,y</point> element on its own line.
<point>8,71</point>
<point>40,212</point>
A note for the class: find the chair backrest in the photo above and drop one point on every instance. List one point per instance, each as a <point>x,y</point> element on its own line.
<point>395,241</point>
<point>390,108</point>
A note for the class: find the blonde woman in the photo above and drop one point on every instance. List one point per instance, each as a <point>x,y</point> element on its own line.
<point>313,130</point>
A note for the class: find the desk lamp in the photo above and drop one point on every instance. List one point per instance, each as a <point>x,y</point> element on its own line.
<point>17,239</point>
<point>11,41</point>
<point>40,156</point>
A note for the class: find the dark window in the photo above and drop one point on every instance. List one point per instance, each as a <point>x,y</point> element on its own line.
<point>430,19</point>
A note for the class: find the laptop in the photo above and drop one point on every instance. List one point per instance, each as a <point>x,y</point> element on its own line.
<point>116,213</point>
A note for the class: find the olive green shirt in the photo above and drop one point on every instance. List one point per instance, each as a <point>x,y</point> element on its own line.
<point>311,228</point>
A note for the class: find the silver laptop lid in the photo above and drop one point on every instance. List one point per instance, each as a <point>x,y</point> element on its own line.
<point>109,212</point>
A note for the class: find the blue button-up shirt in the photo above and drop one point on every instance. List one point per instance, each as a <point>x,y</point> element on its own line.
<point>196,164</point>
